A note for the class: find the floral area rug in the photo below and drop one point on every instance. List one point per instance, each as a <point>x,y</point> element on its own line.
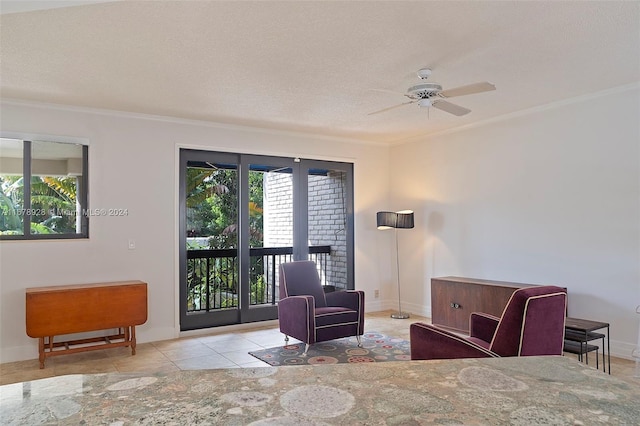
<point>376,347</point>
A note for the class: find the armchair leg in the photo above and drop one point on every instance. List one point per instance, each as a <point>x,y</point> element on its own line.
<point>306,348</point>
<point>359,338</point>
<point>286,339</point>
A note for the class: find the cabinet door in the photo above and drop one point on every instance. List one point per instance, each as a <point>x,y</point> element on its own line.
<point>493,299</point>
<point>451,304</point>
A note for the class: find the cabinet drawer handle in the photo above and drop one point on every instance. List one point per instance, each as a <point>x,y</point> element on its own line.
<point>455,305</point>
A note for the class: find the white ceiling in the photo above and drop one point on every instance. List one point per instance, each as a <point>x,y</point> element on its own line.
<point>311,65</point>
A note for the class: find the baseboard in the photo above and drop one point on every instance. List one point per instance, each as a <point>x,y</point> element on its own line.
<point>156,334</point>
<point>19,353</point>
<point>414,308</point>
<point>621,349</point>
<point>375,306</point>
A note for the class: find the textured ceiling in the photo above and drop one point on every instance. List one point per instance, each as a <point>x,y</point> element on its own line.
<point>311,65</point>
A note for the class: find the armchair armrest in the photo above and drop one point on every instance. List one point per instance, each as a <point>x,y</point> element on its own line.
<point>296,317</point>
<point>430,342</point>
<point>483,326</point>
<point>352,299</point>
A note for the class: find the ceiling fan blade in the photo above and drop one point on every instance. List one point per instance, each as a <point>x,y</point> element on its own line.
<point>390,108</point>
<point>470,89</point>
<point>451,108</point>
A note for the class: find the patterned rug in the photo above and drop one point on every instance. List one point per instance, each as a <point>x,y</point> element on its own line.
<point>376,347</point>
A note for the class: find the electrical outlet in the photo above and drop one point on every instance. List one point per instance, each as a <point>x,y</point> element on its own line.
<point>132,244</point>
<point>376,293</point>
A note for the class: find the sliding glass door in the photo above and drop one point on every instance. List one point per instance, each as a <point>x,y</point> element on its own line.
<point>241,216</point>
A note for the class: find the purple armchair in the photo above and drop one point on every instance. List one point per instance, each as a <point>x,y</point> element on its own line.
<point>306,313</point>
<point>532,323</point>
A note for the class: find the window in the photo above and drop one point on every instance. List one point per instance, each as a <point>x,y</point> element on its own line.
<point>43,190</point>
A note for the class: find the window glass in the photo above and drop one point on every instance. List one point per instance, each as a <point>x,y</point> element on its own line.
<point>53,175</point>
<point>56,173</point>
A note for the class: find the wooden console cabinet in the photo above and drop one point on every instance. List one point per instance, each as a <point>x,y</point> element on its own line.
<point>70,309</point>
<point>454,298</point>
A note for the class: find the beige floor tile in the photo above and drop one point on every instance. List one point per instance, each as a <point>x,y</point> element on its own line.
<point>85,368</point>
<point>261,333</point>
<point>142,359</point>
<point>167,345</point>
<point>205,362</point>
<point>234,346</point>
<point>239,357</point>
<point>126,351</point>
<point>26,375</point>
<point>19,366</point>
<point>189,351</point>
<point>219,338</point>
<point>254,364</point>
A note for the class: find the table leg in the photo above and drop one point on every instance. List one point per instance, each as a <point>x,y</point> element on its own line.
<point>608,349</point>
<point>133,340</point>
<point>41,351</point>
<point>604,365</point>
<point>586,351</point>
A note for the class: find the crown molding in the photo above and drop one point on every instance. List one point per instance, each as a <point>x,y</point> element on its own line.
<point>187,121</point>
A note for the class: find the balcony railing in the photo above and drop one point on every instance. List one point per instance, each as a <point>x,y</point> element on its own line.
<point>212,275</point>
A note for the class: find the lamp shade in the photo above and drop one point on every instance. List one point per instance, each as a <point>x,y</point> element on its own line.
<point>405,220</point>
<point>400,220</point>
<point>386,220</point>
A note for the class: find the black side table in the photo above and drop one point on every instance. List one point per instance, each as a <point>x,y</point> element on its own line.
<point>583,332</point>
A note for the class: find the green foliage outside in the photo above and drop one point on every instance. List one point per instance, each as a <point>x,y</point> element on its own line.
<point>53,205</point>
<point>212,212</point>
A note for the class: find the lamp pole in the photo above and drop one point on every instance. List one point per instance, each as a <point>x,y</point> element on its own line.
<point>399,314</point>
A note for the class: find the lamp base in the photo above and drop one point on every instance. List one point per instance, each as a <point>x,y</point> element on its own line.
<point>399,315</point>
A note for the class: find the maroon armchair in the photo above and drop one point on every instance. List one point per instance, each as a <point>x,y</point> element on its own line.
<point>532,323</point>
<point>306,313</point>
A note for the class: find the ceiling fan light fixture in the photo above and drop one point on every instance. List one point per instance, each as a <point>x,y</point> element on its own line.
<point>424,90</point>
<point>424,73</point>
<point>425,103</point>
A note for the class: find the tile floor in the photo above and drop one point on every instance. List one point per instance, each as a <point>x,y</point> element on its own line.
<point>216,350</point>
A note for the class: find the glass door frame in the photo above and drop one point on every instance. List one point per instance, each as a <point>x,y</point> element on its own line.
<point>248,312</point>
<point>301,210</point>
<point>208,319</point>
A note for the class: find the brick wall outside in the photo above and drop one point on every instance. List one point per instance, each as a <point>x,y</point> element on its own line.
<point>327,219</point>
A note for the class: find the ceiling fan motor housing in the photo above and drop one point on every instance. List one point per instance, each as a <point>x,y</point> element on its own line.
<point>424,91</point>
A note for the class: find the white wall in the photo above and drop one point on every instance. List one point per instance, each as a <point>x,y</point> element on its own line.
<point>551,196</point>
<point>133,165</point>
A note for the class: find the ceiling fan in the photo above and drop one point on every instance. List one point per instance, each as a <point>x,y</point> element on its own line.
<point>431,95</point>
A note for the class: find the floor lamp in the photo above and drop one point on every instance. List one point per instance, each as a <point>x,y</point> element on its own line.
<point>396,220</point>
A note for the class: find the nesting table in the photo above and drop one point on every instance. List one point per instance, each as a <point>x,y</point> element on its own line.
<point>579,332</point>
